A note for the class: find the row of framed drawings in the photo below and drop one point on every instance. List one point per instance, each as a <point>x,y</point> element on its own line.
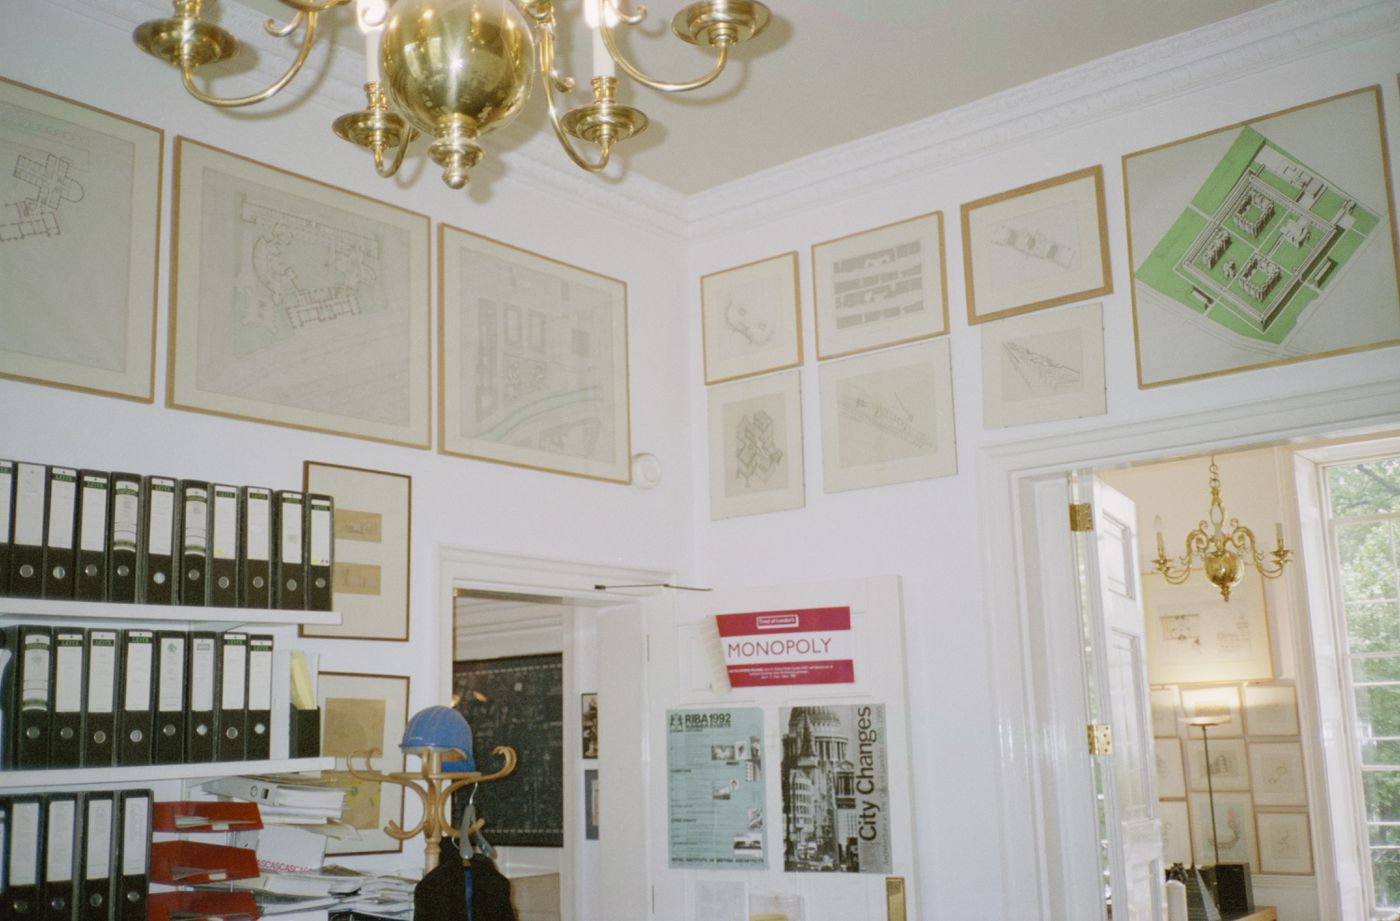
<point>1271,842</point>
<point>294,302</point>
<point>1272,771</point>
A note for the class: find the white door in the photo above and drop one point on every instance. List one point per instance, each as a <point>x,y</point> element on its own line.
<point>1116,673</point>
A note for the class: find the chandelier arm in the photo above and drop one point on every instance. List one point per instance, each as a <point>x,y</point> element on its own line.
<point>546,56</point>
<point>409,137</point>
<point>187,72</point>
<point>307,6</point>
<point>622,15</point>
<point>610,42</point>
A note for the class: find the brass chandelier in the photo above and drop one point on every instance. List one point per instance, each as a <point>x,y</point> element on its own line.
<point>1222,552</point>
<point>455,70</point>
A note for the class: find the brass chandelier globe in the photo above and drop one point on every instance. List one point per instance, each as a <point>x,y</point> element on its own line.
<point>455,70</point>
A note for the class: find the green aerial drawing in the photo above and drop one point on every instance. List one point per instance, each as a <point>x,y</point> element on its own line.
<point>1263,238</point>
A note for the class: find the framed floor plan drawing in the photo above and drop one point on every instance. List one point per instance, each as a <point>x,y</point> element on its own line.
<point>751,319</point>
<point>533,360</point>
<point>887,417</point>
<point>1264,242</point>
<point>756,446</point>
<point>360,712</point>
<point>1043,367</point>
<point>1194,636</point>
<point>1037,246</point>
<point>80,196</point>
<point>297,303</point>
<point>880,287</point>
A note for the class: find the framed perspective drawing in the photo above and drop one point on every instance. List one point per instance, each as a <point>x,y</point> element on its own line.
<point>533,368</point>
<point>887,417</point>
<point>755,429</point>
<point>358,713</point>
<point>1264,242</point>
<point>1195,636</point>
<point>1037,246</point>
<point>751,319</point>
<point>373,518</point>
<point>880,287</point>
<point>1043,367</point>
<point>1285,843</point>
<point>297,303</point>
<point>80,196</point>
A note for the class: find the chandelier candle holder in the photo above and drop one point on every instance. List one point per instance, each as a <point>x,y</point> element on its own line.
<point>455,70</point>
<point>1221,549</point>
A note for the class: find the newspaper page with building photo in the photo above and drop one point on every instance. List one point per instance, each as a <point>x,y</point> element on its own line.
<point>836,796</point>
<point>714,788</point>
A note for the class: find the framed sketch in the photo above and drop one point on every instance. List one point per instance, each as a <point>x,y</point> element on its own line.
<point>887,417</point>
<point>1171,779</point>
<point>1037,246</point>
<point>1043,367</point>
<point>296,303</point>
<point>1229,764</point>
<point>373,537</point>
<point>1234,825</point>
<point>589,724</point>
<point>1176,832</point>
<point>751,319</point>
<point>1285,843</point>
<point>880,287</point>
<point>755,429</point>
<point>1264,242</point>
<point>533,360</point>
<point>1271,710</point>
<point>1166,712</point>
<point>1195,636</point>
<point>79,242</point>
<point>1220,701</point>
<point>1276,773</point>
<point>358,713</point>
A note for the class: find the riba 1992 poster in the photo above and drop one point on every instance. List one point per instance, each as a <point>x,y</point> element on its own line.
<point>836,796</point>
<point>714,788</point>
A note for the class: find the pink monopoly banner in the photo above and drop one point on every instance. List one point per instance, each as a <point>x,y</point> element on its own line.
<point>805,646</point>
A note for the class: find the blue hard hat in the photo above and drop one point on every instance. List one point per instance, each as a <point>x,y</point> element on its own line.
<point>440,729</point>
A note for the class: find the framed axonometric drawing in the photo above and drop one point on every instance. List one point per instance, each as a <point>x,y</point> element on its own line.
<point>1194,636</point>
<point>879,287</point>
<point>358,713</point>
<point>1264,242</point>
<point>533,360</point>
<point>1285,843</point>
<point>79,241</point>
<point>1043,367</point>
<point>297,303</point>
<point>755,429</point>
<point>1037,246</point>
<point>887,417</point>
<point>751,319</point>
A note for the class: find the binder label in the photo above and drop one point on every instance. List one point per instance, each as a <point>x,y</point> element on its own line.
<point>98,832</point>
<point>138,670</point>
<point>162,517</point>
<point>235,672</point>
<point>63,495</point>
<point>93,533</point>
<point>7,482</point>
<point>172,674</point>
<point>102,671</point>
<point>259,530</point>
<point>68,673</point>
<point>126,507</point>
<point>320,536</point>
<point>59,866</point>
<point>196,520</point>
<point>202,674</point>
<point>24,844</point>
<point>225,523</point>
<point>34,688</point>
<point>291,529</point>
<point>260,675</point>
<point>29,506</point>
<point>135,834</point>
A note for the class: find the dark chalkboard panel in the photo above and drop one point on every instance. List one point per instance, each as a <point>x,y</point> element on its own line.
<point>516,701</point>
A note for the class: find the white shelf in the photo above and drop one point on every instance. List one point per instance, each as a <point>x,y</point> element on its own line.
<point>56,778</point>
<point>189,614</point>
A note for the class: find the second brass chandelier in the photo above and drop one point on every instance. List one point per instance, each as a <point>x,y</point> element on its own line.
<point>455,70</point>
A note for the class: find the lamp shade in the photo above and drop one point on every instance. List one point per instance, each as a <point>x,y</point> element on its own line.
<point>440,729</point>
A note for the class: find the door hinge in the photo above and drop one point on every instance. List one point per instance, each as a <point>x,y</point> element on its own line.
<point>1100,739</point>
<point>1081,516</point>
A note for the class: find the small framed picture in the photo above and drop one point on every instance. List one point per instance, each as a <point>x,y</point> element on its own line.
<point>589,723</point>
<point>1037,246</point>
<point>1229,765</point>
<point>590,804</point>
<point>358,713</point>
<point>1232,830</point>
<point>1271,709</point>
<point>1171,780</point>
<point>1276,773</point>
<point>1043,367</point>
<point>1285,843</point>
<point>1176,832</point>
<point>1166,712</point>
<point>1218,702</point>
<point>756,446</point>
<point>751,318</point>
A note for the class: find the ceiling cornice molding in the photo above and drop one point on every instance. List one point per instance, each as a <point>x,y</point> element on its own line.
<point>1109,86</point>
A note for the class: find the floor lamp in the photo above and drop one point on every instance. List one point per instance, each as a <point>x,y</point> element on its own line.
<point>1230,883</point>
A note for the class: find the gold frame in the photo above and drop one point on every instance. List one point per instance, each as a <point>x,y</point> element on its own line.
<point>159,190</point>
<point>1307,838</point>
<point>1244,709</point>
<point>624,462</point>
<point>391,750</point>
<point>942,241</point>
<point>328,632</point>
<point>796,321</point>
<point>172,343</point>
<point>1375,90</point>
<point>1095,173</point>
<point>1208,853</point>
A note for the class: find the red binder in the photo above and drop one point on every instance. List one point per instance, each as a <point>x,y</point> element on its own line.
<point>198,906</point>
<point>191,863</point>
<point>182,816</point>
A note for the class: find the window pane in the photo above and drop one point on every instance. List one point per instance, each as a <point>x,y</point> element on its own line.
<point>1385,753</point>
<point>1365,489</point>
<point>1373,626</point>
<point>1378,711</point>
<point>1367,561</point>
<point>1382,668</point>
<point>1385,834</point>
<point>1382,795</point>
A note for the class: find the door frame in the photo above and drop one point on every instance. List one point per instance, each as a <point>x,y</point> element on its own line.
<point>1035,781</point>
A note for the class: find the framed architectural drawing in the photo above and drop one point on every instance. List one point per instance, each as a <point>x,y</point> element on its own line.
<point>1171,777</point>
<point>755,429</point>
<point>360,712</point>
<point>1166,712</point>
<point>1221,701</point>
<point>1229,764</point>
<point>80,193</point>
<point>1276,774</point>
<point>1264,242</point>
<point>1043,367</point>
<point>533,360</point>
<point>373,535</point>
<point>751,318</point>
<point>1285,843</point>
<point>1037,246</point>
<point>1195,636</point>
<point>296,303</point>
<point>880,287</point>
<point>887,417</point>
<point>1176,832</point>
<point>1271,710</point>
<point>1234,823</point>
